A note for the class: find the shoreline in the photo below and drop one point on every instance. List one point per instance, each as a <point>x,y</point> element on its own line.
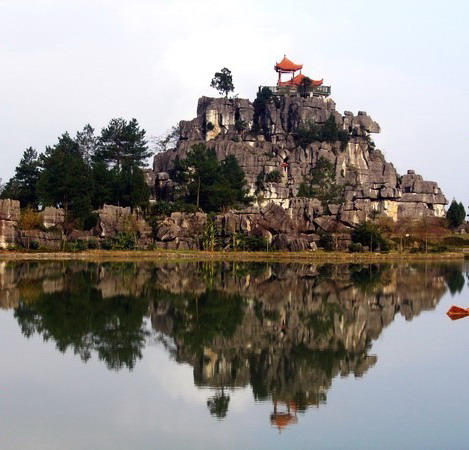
<point>174,255</point>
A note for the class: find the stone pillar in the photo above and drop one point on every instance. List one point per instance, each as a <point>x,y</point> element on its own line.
<point>9,219</point>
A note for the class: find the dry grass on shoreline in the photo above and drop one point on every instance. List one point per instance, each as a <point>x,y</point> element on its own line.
<point>178,255</point>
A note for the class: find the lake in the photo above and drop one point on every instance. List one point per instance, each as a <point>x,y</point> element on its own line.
<point>232,355</point>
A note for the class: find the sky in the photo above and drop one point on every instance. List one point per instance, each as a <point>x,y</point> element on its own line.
<point>66,63</point>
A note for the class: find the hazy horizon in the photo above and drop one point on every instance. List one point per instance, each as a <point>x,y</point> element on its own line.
<point>66,65</point>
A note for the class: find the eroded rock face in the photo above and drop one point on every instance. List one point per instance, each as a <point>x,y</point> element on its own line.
<point>265,141</point>
<point>52,240</point>
<point>117,219</point>
<point>53,217</point>
<point>9,219</point>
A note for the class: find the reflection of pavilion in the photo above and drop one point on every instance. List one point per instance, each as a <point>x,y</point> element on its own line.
<point>302,327</point>
<point>287,330</point>
<point>280,419</point>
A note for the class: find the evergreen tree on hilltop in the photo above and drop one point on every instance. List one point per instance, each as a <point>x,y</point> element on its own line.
<point>223,82</point>
<point>22,186</point>
<point>123,143</point>
<point>66,179</point>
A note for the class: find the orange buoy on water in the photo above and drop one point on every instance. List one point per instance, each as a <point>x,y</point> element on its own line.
<point>456,312</point>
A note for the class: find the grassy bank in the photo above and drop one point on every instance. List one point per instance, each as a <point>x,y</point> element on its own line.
<point>175,255</point>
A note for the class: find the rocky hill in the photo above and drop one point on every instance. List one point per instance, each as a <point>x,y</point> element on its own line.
<point>309,169</point>
<point>266,137</point>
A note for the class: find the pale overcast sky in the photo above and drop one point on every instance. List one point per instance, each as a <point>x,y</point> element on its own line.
<point>66,63</point>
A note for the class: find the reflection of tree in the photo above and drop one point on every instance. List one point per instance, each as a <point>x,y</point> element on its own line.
<point>218,404</point>
<point>302,326</point>
<point>198,319</point>
<point>454,279</point>
<point>285,329</point>
<point>367,277</point>
<point>77,317</point>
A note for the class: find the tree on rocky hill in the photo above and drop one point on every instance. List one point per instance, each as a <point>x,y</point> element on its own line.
<point>209,184</point>
<point>132,189</point>
<point>123,143</point>
<point>167,140</point>
<point>322,184</point>
<point>223,82</point>
<point>22,186</point>
<point>87,143</point>
<point>305,84</point>
<point>65,180</point>
<point>120,154</point>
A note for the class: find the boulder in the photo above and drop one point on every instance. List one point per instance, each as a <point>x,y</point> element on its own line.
<point>10,210</point>
<point>275,219</point>
<point>52,217</point>
<point>292,243</point>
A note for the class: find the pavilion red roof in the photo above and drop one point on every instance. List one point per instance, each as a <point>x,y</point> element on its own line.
<point>285,65</point>
<point>297,81</point>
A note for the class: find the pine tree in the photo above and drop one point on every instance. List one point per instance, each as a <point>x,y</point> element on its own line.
<point>209,184</point>
<point>456,214</point>
<point>104,183</point>
<point>66,179</point>
<point>223,82</point>
<point>87,143</point>
<point>22,186</point>
<point>123,143</point>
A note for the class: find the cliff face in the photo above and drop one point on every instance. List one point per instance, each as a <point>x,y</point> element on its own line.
<point>265,139</point>
<point>9,220</point>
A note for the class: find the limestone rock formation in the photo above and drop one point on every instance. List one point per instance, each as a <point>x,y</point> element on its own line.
<point>265,138</point>
<point>9,219</point>
<point>52,217</point>
<point>117,219</point>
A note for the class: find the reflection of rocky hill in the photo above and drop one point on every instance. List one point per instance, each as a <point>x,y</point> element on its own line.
<point>302,325</point>
<point>285,329</point>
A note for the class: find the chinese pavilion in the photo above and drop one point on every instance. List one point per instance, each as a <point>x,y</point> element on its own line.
<point>287,66</point>
<point>295,85</point>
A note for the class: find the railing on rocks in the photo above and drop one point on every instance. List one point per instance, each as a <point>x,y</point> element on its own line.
<point>293,91</point>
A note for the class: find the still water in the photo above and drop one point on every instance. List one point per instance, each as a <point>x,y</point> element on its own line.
<point>232,355</point>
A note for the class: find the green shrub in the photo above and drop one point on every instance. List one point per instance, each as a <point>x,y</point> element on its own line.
<point>322,184</point>
<point>107,244</point>
<point>356,247</point>
<point>369,234</point>
<point>455,241</point>
<point>125,241</point>
<point>81,245</point>
<point>273,177</point>
<point>93,244</point>
<point>249,242</point>
<point>90,221</point>
<point>240,125</point>
<point>439,248</point>
<point>122,241</point>
<point>326,241</point>
<point>310,132</point>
